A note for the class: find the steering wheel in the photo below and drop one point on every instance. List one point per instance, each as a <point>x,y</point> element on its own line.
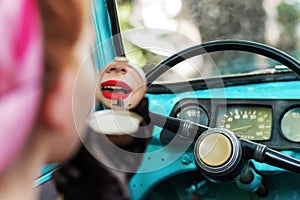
<point>223,45</point>
<point>231,151</point>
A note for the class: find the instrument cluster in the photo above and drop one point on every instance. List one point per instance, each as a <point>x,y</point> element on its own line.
<point>275,123</point>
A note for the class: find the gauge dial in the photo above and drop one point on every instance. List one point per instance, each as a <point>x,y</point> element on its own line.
<point>195,114</point>
<point>249,122</point>
<point>290,125</point>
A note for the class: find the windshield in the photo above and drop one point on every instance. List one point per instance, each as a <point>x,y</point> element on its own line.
<point>153,30</point>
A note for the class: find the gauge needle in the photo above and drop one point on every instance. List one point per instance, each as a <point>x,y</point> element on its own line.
<point>241,128</point>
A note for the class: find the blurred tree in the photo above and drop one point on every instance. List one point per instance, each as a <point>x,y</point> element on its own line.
<point>227,19</point>
<point>289,19</point>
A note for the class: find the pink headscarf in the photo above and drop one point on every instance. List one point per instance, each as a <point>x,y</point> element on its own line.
<point>20,74</point>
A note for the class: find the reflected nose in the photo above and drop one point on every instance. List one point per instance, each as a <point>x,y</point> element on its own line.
<point>117,69</point>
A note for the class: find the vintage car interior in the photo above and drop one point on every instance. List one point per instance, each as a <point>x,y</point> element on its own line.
<point>224,94</point>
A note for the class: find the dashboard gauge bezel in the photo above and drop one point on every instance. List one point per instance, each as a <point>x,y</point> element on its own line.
<point>230,110</point>
<point>285,135</point>
<point>192,106</point>
<point>166,136</point>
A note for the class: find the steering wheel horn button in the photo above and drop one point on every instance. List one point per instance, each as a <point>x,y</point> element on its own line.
<point>218,155</point>
<point>215,149</point>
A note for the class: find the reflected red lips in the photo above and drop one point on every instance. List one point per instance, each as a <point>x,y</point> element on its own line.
<point>115,89</point>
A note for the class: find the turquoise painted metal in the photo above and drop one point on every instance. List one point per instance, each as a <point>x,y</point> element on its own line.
<point>164,103</point>
<point>104,51</point>
<point>46,174</point>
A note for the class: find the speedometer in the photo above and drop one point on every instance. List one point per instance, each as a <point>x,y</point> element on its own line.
<point>249,122</point>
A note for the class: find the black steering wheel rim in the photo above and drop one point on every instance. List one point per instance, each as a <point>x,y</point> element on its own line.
<point>223,45</point>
